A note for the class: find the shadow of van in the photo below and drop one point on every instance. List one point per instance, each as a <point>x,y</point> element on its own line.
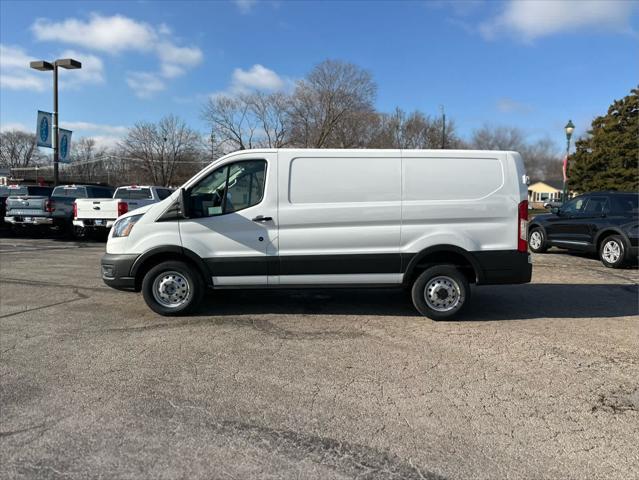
<point>507,302</point>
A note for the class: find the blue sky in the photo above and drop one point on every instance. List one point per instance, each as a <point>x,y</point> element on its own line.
<point>531,64</point>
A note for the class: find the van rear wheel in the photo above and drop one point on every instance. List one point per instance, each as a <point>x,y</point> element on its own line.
<point>172,288</point>
<point>440,292</point>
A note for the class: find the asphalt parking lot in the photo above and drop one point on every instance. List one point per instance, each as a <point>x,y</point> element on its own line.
<point>536,381</point>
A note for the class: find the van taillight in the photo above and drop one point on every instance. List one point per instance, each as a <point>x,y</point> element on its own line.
<point>48,206</point>
<point>123,207</point>
<point>522,229</point>
<point>75,210</point>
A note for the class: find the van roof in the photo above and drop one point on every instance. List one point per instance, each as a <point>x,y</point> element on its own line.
<point>363,150</point>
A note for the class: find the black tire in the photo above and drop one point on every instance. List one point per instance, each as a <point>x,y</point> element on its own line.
<point>612,252</point>
<point>450,279</point>
<point>185,273</point>
<point>542,247</point>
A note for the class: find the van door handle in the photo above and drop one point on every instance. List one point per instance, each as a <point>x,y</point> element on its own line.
<point>261,218</point>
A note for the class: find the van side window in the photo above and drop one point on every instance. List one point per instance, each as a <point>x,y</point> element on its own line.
<point>228,189</point>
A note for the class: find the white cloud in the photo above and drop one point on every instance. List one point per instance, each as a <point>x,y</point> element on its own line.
<point>245,6</point>
<point>174,60</point>
<point>95,127</point>
<point>257,77</point>
<point>532,19</point>
<point>10,126</point>
<point>108,34</point>
<point>509,105</point>
<point>145,84</point>
<point>92,70</point>
<point>106,141</point>
<point>117,34</point>
<point>15,73</point>
<point>105,136</point>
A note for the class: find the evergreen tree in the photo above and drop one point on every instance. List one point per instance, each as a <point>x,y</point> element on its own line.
<point>608,158</point>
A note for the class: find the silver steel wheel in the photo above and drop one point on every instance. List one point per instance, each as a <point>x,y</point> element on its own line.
<point>171,289</point>
<point>442,293</point>
<point>535,240</point>
<point>611,251</point>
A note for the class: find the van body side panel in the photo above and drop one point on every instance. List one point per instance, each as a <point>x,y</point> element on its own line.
<point>468,200</point>
<point>339,214</point>
<point>454,198</point>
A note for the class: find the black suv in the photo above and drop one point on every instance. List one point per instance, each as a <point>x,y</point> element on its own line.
<point>606,223</point>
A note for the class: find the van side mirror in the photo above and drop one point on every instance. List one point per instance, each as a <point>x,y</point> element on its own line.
<point>185,203</point>
<point>555,210</point>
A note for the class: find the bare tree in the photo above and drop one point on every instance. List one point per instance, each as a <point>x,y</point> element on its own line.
<point>333,94</point>
<point>247,120</point>
<point>231,120</point>
<point>88,160</point>
<point>541,157</point>
<point>414,130</point>
<point>164,148</point>
<point>271,112</point>
<point>18,149</point>
<point>498,138</point>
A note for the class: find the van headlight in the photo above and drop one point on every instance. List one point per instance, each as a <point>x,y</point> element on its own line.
<point>122,228</point>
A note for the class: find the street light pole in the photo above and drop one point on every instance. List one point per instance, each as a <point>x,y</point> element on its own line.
<point>569,128</point>
<point>45,66</point>
<point>56,158</point>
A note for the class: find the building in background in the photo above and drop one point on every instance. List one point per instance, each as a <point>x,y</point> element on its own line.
<point>5,174</point>
<point>540,192</point>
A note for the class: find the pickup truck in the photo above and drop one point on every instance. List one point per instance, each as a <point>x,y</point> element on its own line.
<point>54,211</point>
<point>22,191</point>
<point>100,213</point>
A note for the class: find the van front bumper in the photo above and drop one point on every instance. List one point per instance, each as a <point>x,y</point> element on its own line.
<point>116,271</point>
<point>499,267</point>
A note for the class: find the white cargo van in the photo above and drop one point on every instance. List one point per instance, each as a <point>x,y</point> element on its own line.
<point>432,220</point>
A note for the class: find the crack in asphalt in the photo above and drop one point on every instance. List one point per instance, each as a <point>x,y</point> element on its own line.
<point>40,283</point>
<point>80,296</point>
<point>262,325</point>
<point>349,459</point>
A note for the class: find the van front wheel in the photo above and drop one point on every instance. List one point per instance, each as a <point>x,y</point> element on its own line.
<point>440,292</point>
<point>172,288</point>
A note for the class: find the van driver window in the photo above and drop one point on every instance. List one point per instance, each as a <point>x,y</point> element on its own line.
<point>228,189</point>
